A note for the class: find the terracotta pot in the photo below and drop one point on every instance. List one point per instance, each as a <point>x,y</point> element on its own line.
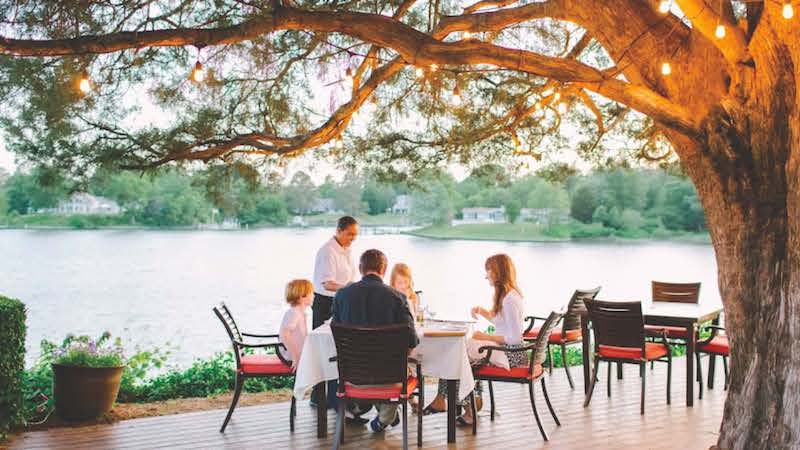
<point>85,392</point>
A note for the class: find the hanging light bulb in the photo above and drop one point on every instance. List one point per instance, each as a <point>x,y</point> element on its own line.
<point>547,92</point>
<point>557,97</point>
<point>434,67</point>
<point>664,6</point>
<point>339,144</point>
<point>418,72</point>
<point>666,69</point>
<point>562,108</point>
<point>456,98</point>
<point>467,35</point>
<point>788,11</point>
<point>348,76</point>
<point>720,31</point>
<point>198,73</point>
<point>85,84</point>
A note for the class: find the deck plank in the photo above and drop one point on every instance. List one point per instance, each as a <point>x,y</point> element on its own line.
<point>608,423</point>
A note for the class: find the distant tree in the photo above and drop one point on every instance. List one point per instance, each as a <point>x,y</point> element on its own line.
<point>300,193</point>
<point>348,197</point>
<point>328,188</point>
<point>378,196</point>
<point>631,219</point>
<point>513,207</point>
<point>584,202</point>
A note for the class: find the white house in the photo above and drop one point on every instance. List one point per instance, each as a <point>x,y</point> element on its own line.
<point>84,203</point>
<point>323,205</point>
<point>402,205</point>
<point>483,215</point>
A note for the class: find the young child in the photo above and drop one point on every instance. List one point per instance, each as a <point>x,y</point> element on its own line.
<point>402,281</point>
<point>299,294</point>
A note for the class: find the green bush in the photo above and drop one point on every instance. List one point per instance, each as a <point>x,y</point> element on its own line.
<point>12,362</point>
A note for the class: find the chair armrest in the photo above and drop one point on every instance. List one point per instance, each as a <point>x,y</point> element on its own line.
<point>261,335</point>
<point>715,329</point>
<point>259,345</point>
<point>333,359</point>
<point>665,341</point>
<point>532,320</point>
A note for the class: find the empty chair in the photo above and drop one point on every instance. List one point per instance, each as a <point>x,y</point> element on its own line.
<point>253,366</point>
<point>619,337</point>
<point>373,367</point>
<point>524,375</point>
<point>568,333</point>
<point>715,345</point>
<point>673,293</point>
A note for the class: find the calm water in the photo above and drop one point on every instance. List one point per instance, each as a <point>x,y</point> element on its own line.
<point>157,287</point>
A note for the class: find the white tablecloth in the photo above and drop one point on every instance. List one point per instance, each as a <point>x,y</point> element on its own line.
<point>441,357</point>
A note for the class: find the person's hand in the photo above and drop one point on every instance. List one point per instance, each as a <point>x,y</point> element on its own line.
<point>475,311</point>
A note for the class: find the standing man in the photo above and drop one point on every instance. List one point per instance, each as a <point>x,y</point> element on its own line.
<point>333,269</point>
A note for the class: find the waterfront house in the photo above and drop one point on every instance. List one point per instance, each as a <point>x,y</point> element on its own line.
<point>483,215</point>
<point>85,203</point>
<point>402,205</point>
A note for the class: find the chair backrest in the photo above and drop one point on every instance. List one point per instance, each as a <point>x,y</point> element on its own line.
<point>224,315</point>
<point>576,308</point>
<point>371,355</point>
<point>540,344</point>
<point>618,324</point>
<point>676,292</point>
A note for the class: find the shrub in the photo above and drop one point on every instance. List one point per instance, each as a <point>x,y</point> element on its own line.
<point>12,362</point>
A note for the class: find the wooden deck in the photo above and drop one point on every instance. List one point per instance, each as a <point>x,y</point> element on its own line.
<point>608,423</point>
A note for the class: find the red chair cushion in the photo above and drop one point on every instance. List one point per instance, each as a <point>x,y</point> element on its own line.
<point>555,336</point>
<point>653,350</point>
<point>380,392</point>
<point>264,365</point>
<point>490,371</point>
<point>718,346</point>
<point>672,332</point>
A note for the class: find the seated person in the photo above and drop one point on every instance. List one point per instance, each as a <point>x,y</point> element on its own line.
<point>294,327</point>
<point>402,281</point>
<point>370,302</point>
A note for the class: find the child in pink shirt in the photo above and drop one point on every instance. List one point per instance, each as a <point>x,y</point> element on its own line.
<point>293,331</point>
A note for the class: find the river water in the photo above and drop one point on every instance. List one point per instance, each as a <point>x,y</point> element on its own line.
<point>158,287</point>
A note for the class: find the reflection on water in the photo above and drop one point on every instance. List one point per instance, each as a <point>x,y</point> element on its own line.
<point>155,287</point>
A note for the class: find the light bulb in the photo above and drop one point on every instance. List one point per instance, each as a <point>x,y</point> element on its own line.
<point>467,35</point>
<point>434,67</point>
<point>547,92</point>
<point>339,144</point>
<point>788,11</point>
<point>198,74</point>
<point>85,85</point>
<point>562,108</point>
<point>348,76</point>
<point>666,69</point>
<point>664,6</point>
<point>419,72</point>
<point>517,146</point>
<point>557,97</point>
<point>720,31</point>
<point>456,99</point>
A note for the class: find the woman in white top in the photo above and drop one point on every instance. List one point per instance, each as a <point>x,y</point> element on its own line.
<point>507,317</point>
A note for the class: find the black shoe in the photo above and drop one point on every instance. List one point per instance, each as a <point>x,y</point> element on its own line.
<point>352,419</point>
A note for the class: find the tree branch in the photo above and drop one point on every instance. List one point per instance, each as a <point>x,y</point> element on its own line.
<point>705,20</point>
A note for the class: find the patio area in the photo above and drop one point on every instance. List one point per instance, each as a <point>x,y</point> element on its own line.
<point>608,423</point>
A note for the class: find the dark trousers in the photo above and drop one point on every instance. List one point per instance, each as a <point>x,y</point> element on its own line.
<point>320,312</point>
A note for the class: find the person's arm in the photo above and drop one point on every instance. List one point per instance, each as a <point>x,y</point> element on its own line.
<point>512,314</point>
<point>332,285</point>
<point>496,338</point>
<point>479,310</point>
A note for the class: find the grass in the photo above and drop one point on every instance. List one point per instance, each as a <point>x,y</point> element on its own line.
<point>528,232</point>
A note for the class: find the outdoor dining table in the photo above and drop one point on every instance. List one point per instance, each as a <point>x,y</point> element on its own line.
<point>442,355</point>
<point>687,315</point>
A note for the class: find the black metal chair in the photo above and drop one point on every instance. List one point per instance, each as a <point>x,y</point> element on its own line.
<point>251,365</point>
<point>717,344</point>
<point>569,333</point>
<point>373,367</point>
<point>619,337</point>
<point>524,375</point>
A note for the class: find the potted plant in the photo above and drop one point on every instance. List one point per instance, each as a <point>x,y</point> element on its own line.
<point>86,376</point>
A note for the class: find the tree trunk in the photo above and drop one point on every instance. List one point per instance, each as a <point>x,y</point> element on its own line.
<point>747,175</point>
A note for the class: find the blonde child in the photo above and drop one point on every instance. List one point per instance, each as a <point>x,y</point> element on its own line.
<point>293,331</point>
<point>402,281</point>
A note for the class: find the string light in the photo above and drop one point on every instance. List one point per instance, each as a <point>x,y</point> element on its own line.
<point>85,84</point>
<point>467,35</point>
<point>562,108</point>
<point>666,69</point>
<point>434,67</point>
<point>456,98</point>
<point>557,97</point>
<point>788,10</point>
<point>720,31</point>
<point>418,72</point>
<point>664,6</point>
<point>547,92</point>
<point>198,73</point>
<point>339,144</point>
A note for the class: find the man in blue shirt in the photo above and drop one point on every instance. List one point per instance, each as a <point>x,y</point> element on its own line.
<point>370,302</point>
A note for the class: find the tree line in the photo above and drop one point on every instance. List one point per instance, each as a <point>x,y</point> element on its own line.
<point>632,202</point>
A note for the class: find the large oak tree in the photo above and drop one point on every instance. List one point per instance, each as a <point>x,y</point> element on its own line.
<point>729,107</point>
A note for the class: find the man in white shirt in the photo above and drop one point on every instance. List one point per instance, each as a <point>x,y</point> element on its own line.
<point>333,269</point>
